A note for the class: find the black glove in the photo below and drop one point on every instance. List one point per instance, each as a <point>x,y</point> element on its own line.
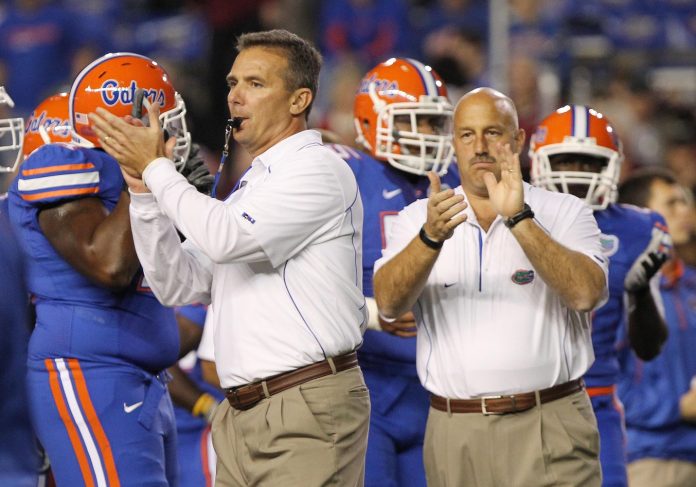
<point>196,172</point>
<point>649,262</point>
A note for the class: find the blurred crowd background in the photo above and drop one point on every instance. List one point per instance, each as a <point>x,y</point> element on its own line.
<point>635,60</point>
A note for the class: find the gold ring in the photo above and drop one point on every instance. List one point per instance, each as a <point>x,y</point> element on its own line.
<point>107,139</point>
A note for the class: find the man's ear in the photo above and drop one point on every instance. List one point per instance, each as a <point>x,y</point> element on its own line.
<point>300,100</point>
<point>519,140</point>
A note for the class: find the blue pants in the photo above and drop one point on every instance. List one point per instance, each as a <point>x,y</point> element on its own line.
<point>196,457</point>
<point>612,437</point>
<point>103,424</point>
<point>397,429</point>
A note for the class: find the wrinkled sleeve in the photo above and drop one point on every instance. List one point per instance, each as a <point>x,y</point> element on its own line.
<point>399,233</point>
<point>214,227</point>
<point>177,273</point>
<point>582,234</point>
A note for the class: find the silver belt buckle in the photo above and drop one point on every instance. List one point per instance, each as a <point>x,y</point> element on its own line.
<point>486,412</point>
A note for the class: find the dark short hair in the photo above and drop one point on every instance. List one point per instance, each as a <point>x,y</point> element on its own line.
<point>635,189</point>
<point>304,60</point>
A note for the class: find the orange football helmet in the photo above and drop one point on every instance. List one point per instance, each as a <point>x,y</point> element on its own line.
<point>581,130</point>
<point>11,133</point>
<point>116,83</point>
<point>48,123</point>
<point>405,90</point>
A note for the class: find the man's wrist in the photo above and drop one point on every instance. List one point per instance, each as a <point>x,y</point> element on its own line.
<point>433,244</point>
<point>152,167</point>
<point>518,217</point>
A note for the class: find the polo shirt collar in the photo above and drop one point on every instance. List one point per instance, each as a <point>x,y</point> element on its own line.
<point>280,151</point>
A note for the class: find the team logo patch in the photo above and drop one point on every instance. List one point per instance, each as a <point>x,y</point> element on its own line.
<point>385,87</point>
<point>540,135</point>
<point>610,244</point>
<point>522,277</point>
<point>247,216</point>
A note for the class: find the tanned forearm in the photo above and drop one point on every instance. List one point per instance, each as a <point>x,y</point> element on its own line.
<point>647,331</point>
<point>400,281</point>
<point>113,241</point>
<point>96,243</point>
<point>575,277</point>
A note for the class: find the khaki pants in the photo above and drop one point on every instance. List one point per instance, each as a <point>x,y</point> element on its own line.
<point>555,444</point>
<point>311,435</point>
<point>655,472</point>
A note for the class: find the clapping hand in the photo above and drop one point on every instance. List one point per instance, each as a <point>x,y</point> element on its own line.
<point>134,147</point>
<point>507,194</point>
<point>444,210</point>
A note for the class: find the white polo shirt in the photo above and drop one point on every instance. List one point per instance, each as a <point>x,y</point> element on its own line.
<point>280,259</point>
<point>487,323</point>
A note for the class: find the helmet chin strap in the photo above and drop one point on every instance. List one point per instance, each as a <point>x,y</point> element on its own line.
<point>81,141</point>
<point>44,134</point>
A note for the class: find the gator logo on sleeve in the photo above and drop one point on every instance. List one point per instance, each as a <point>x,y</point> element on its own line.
<point>522,276</point>
<point>610,244</point>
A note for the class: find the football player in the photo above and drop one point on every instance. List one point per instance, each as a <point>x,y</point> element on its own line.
<point>403,122</point>
<point>98,354</point>
<point>576,150</point>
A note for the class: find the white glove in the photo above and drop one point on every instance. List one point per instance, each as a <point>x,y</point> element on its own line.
<point>649,262</point>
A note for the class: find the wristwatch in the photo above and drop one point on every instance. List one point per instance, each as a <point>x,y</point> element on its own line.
<point>522,215</point>
<point>433,244</point>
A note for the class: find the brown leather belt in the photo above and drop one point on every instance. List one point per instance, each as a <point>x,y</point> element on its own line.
<point>247,396</point>
<point>506,404</point>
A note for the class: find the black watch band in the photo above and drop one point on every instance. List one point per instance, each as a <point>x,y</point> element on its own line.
<point>522,215</point>
<point>428,241</point>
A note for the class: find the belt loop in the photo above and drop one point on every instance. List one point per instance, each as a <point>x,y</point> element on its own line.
<point>332,365</point>
<point>449,408</point>
<point>537,398</point>
<point>264,386</point>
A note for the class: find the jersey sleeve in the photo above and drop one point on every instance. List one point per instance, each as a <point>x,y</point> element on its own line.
<point>194,312</point>
<point>57,173</point>
<point>644,231</point>
<point>352,157</point>
<point>404,228</point>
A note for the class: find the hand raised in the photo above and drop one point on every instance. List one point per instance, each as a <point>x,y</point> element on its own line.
<point>134,147</point>
<point>507,194</point>
<point>444,210</point>
<point>650,261</point>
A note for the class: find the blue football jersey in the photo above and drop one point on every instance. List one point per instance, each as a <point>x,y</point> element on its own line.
<point>75,317</point>
<point>385,191</point>
<point>626,233</point>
